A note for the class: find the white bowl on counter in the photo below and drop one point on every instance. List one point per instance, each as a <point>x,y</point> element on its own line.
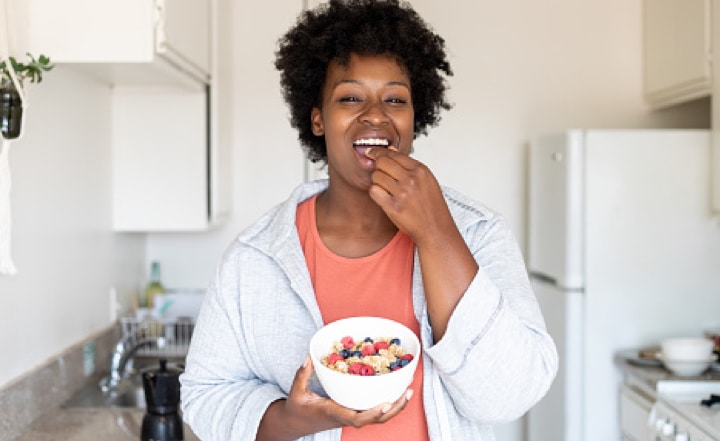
<point>687,349</point>
<point>686,368</point>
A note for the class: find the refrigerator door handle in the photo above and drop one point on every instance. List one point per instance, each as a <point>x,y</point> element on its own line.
<point>540,277</point>
<point>544,278</point>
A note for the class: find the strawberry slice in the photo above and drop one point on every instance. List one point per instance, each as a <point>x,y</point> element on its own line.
<point>381,345</point>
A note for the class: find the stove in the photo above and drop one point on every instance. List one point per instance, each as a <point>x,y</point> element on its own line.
<point>678,414</point>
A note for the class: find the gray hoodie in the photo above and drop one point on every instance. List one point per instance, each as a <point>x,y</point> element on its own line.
<point>494,362</point>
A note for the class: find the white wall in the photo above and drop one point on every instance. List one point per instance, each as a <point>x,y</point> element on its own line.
<point>67,256</point>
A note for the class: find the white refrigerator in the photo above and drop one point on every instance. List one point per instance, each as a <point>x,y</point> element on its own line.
<point>623,251</point>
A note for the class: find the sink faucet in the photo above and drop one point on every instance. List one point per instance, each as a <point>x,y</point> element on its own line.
<point>124,350</point>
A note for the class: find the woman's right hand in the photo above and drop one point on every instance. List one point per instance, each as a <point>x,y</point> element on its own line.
<point>304,412</point>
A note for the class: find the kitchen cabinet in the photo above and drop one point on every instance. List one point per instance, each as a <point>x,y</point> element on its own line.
<point>169,173</point>
<point>635,412</point>
<point>677,51</point>
<point>678,62</point>
<point>148,42</point>
<point>159,58</point>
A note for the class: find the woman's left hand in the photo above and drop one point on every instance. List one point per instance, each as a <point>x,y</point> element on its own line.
<point>409,194</point>
<point>411,197</point>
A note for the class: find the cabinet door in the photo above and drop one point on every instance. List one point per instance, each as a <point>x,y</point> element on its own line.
<point>634,415</point>
<point>80,31</point>
<point>127,42</point>
<point>160,160</point>
<point>677,50</point>
<point>187,31</point>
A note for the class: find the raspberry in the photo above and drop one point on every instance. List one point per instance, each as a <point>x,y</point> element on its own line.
<point>368,350</point>
<point>347,342</point>
<point>356,368</point>
<point>381,345</point>
<point>407,357</point>
<point>334,357</point>
<point>367,370</point>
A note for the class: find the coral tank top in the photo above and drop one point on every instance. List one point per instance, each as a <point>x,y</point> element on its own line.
<point>376,285</point>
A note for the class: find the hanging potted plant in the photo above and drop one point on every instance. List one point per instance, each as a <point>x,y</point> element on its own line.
<point>11,107</point>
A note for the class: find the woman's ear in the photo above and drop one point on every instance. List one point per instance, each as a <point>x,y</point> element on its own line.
<point>317,122</point>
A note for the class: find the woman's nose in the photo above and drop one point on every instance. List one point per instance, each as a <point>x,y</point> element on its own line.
<point>374,114</point>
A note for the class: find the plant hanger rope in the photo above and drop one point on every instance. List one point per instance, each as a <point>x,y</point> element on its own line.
<point>7,266</point>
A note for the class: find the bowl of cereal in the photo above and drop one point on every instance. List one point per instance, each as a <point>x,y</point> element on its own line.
<point>362,362</point>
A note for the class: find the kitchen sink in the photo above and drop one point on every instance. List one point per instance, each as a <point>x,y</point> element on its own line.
<point>129,394</point>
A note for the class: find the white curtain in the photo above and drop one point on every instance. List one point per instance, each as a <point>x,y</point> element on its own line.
<point>7,266</point>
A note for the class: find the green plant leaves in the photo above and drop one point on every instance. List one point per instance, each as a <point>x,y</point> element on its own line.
<point>32,71</point>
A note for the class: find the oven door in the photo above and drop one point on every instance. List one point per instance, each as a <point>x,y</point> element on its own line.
<point>672,424</point>
<point>635,411</point>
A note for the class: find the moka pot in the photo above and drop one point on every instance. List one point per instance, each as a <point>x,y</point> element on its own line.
<point>162,421</point>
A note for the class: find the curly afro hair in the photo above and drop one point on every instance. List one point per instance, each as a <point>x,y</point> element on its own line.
<point>339,28</point>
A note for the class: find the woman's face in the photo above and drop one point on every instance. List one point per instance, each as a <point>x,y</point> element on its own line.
<point>367,103</point>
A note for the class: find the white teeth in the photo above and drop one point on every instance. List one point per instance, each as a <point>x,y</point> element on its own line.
<point>371,141</point>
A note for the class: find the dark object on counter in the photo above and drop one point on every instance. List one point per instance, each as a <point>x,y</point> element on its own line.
<point>709,402</point>
<point>184,327</point>
<point>162,421</point>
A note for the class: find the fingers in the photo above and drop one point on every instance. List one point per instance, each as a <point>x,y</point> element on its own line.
<point>302,377</point>
<point>383,412</point>
<point>391,167</point>
<point>377,154</point>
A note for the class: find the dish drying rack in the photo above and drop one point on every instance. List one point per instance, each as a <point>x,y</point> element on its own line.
<point>172,335</point>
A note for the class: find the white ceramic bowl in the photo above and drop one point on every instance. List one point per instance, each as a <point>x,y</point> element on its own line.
<point>687,349</point>
<point>363,392</point>
<point>686,368</point>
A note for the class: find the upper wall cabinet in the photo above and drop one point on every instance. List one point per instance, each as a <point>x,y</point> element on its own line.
<point>677,51</point>
<point>170,172</point>
<point>128,42</point>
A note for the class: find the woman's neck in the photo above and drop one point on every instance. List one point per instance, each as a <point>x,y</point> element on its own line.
<point>352,224</point>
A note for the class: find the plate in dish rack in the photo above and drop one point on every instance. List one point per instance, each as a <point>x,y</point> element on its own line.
<point>641,357</point>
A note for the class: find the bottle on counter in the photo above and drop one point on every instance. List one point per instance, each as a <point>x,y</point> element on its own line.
<point>154,286</point>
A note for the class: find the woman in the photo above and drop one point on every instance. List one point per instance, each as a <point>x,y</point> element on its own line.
<point>380,237</point>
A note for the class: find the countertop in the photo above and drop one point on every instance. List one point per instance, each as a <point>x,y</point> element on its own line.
<point>653,378</point>
<point>90,424</point>
<point>675,400</point>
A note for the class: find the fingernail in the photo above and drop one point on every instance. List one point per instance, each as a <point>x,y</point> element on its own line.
<point>367,150</point>
<point>393,148</point>
<point>386,408</point>
<point>307,360</point>
<point>409,394</point>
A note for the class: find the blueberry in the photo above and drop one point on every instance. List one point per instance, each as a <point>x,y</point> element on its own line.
<point>403,362</point>
<point>356,354</point>
<point>395,341</point>
<point>368,339</point>
<point>394,364</point>
<point>345,353</point>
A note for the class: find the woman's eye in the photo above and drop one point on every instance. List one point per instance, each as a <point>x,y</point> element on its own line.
<point>396,100</point>
<point>349,99</point>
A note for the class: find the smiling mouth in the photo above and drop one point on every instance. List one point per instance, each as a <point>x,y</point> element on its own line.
<point>360,145</point>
